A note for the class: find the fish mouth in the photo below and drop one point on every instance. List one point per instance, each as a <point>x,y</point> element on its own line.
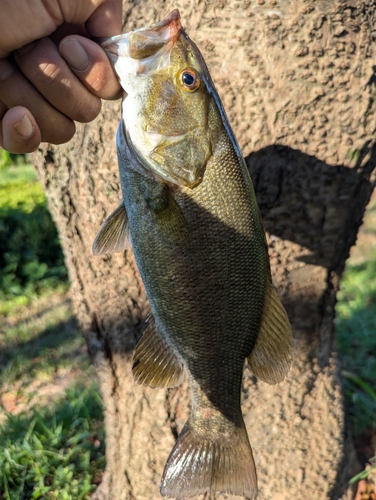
<point>145,42</point>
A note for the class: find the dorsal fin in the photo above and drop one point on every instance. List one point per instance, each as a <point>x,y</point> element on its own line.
<point>154,362</point>
<point>271,356</point>
<point>113,236</point>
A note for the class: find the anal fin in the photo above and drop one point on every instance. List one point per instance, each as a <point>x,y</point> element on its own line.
<point>271,356</point>
<point>154,362</point>
<point>113,236</point>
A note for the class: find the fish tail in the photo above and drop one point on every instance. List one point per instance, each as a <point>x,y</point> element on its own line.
<point>197,465</point>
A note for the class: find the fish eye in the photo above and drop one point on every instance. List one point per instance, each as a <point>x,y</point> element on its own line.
<point>189,80</point>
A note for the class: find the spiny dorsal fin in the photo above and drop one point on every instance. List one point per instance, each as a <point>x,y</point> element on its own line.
<point>271,356</point>
<point>113,236</point>
<point>154,362</point>
<point>200,464</point>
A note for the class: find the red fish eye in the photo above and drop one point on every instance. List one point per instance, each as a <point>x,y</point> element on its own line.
<point>189,80</point>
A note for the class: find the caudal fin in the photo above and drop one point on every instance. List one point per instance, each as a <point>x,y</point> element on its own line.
<point>196,466</point>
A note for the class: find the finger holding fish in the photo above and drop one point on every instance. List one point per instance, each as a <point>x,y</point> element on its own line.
<point>54,88</point>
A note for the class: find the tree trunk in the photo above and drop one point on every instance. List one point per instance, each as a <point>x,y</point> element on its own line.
<point>298,82</point>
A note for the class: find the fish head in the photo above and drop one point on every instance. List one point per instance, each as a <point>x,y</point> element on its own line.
<point>169,116</point>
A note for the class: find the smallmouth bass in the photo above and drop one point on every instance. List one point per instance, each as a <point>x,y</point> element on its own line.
<point>190,212</point>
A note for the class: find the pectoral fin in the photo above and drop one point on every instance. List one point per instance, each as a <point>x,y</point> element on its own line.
<point>271,356</point>
<point>154,362</point>
<point>169,218</point>
<point>113,236</point>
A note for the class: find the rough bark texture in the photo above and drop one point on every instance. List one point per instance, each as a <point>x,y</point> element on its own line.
<point>298,82</point>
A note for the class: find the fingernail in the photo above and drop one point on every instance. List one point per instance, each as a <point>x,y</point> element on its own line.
<point>75,55</point>
<point>24,127</point>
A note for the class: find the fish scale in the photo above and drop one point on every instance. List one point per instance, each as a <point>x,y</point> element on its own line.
<point>190,210</point>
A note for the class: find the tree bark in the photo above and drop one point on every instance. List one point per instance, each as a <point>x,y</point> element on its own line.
<point>298,82</point>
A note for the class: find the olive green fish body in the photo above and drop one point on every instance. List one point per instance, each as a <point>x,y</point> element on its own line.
<point>200,248</point>
<point>211,264</point>
<point>205,276</point>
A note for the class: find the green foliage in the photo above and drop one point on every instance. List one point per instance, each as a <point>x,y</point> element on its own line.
<point>54,453</point>
<point>7,159</point>
<point>353,155</point>
<point>57,451</point>
<point>21,173</point>
<point>367,473</point>
<point>356,326</point>
<point>31,259</point>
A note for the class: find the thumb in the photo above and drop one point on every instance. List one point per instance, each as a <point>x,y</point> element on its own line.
<point>19,132</point>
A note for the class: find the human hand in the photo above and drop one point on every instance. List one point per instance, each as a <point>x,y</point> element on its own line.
<point>51,72</point>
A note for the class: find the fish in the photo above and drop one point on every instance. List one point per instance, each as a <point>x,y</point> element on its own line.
<point>190,213</point>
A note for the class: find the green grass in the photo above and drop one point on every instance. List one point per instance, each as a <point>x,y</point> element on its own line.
<point>19,186</point>
<point>31,260</point>
<point>11,305</point>
<point>55,452</point>
<point>51,444</point>
<point>356,327</point>
<point>369,473</point>
<point>19,173</point>
<point>356,334</point>
<point>40,340</point>
<point>9,159</point>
